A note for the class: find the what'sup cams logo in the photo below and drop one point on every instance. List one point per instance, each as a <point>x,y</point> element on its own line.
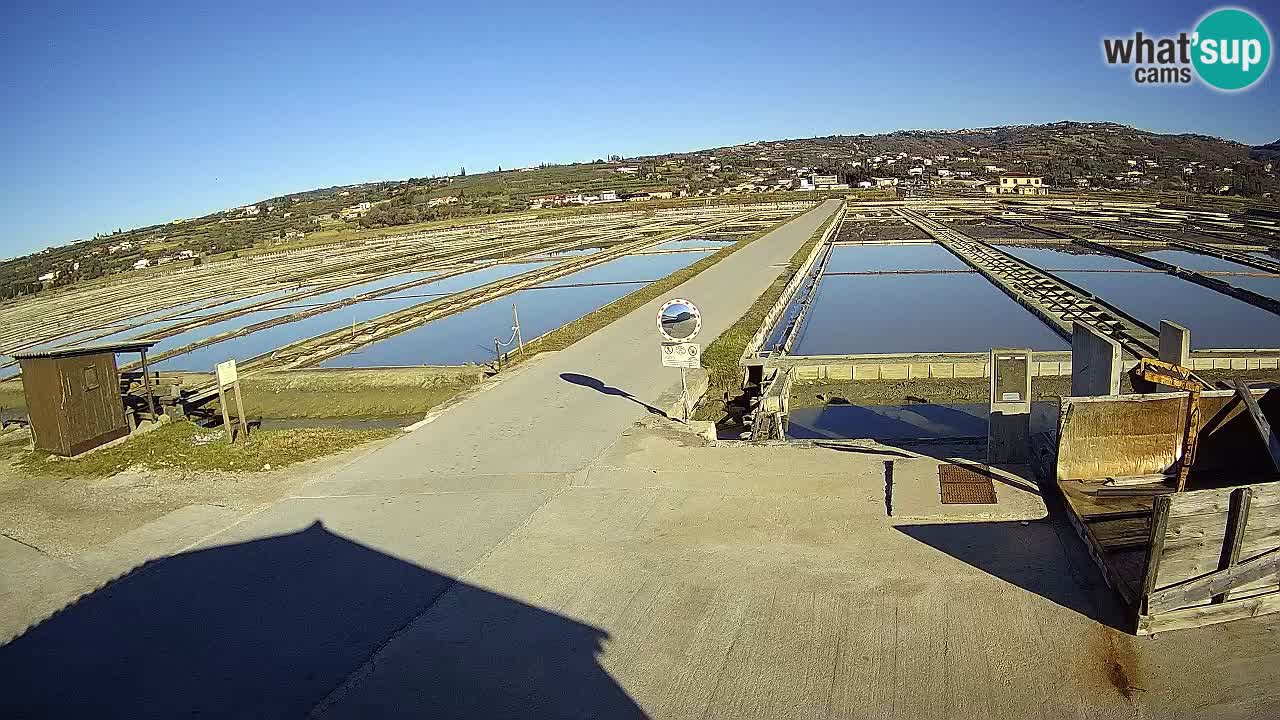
<point>1229,50</point>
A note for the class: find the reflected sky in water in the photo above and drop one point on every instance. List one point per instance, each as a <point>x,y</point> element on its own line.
<point>917,313</point>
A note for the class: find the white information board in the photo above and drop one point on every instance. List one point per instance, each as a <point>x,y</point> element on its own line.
<point>226,372</point>
<point>682,355</point>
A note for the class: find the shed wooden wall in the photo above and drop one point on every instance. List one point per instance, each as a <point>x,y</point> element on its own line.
<point>67,415</point>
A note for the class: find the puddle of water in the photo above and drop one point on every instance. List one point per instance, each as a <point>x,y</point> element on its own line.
<point>247,346</point>
<point>903,422</point>
<point>1215,320</point>
<point>1055,259</point>
<point>917,313</point>
<point>467,337</point>
<point>889,258</point>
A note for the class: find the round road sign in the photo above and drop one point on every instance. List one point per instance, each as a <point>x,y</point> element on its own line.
<point>679,320</point>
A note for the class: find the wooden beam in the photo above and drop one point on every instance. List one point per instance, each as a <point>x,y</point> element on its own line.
<point>1201,615</point>
<point>146,383</point>
<point>1237,518</point>
<point>1198,589</point>
<point>226,417</point>
<point>1259,421</point>
<point>1155,548</point>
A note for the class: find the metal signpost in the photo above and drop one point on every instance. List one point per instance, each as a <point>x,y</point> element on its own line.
<point>679,322</point>
<point>227,376</point>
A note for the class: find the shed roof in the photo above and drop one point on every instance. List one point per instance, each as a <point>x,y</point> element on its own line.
<point>72,350</point>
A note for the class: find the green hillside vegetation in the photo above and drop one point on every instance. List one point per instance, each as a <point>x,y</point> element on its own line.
<point>1067,153</point>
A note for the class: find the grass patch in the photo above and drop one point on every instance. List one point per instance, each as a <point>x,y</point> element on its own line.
<point>566,335</point>
<point>721,357</point>
<point>380,392</point>
<point>186,446</point>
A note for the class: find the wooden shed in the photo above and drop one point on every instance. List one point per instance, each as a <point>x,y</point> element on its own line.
<point>73,395</point>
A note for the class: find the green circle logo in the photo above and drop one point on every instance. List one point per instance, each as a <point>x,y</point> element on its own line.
<point>1232,49</point>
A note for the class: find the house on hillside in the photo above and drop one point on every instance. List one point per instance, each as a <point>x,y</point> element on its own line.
<point>1018,184</point>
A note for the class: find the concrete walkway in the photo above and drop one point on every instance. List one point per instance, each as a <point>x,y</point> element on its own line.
<point>550,549</point>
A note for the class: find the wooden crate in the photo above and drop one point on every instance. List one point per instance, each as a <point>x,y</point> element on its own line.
<point>1178,560</point>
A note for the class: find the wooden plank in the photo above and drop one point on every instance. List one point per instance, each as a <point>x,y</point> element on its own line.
<point>226,418</point>
<point>1199,502</point>
<point>1236,521</point>
<point>1259,421</point>
<point>146,383</point>
<point>1201,588</point>
<point>1127,434</point>
<point>244,423</point>
<point>1193,543</point>
<point>1209,614</point>
<point>1122,533</point>
<point>1080,496</point>
<point>1159,521</point>
<point>1113,579</point>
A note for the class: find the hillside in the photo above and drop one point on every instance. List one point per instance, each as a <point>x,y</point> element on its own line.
<point>1270,151</point>
<point>1069,154</point>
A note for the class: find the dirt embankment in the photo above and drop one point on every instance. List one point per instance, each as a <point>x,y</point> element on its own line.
<point>946,391</point>
<point>289,394</point>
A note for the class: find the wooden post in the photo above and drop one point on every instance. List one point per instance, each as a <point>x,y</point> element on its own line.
<point>1190,438</point>
<point>1237,518</point>
<point>1155,548</point>
<point>515,319</point>
<point>226,376</point>
<point>1260,422</point>
<point>226,417</point>
<point>146,383</point>
<point>244,424</point>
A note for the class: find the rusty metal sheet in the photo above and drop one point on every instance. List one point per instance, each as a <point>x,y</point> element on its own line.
<point>961,485</point>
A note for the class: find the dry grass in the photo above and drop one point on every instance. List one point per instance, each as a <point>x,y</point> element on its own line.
<point>389,392</point>
<point>185,446</point>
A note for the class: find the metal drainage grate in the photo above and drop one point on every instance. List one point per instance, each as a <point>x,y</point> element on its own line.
<point>963,486</point>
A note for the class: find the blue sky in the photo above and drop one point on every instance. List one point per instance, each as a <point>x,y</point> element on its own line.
<point>120,117</point>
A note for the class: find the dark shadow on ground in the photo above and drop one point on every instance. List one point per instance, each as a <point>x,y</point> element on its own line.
<point>268,628</point>
<point>589,382</point>
<point>913,421</point>
<point>1044,557</point>
<point>862,450</point>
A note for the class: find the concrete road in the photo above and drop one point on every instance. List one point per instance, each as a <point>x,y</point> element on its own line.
<point>537,552</point>
<point>562,412</point>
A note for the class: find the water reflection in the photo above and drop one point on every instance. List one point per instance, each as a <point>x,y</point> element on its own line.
<point>267,339</point>
<point>922,421</point>
<point>1215,320</point>
<point>467,337</point>
<point>917,313</point>
<point>889,258</point>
